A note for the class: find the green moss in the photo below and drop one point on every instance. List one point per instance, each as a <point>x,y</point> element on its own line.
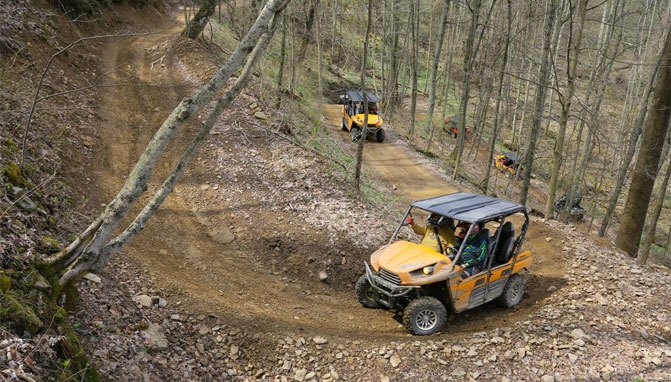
<point>79,363</point>
<point>13,174</point>
<point>18,314</point>
<point>5,283</point>
<point>49,244</point>
<point>9,148</point>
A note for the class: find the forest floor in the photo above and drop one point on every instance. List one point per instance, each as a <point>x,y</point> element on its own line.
<point>247,271</point>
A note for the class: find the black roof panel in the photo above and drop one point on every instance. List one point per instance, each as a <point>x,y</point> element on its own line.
<point>357,96</point>
<point>469,207</point>
<point>511,155</point>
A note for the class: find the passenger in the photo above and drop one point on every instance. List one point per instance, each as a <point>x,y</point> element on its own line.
<point>474,253</point>
<point>437,234</point>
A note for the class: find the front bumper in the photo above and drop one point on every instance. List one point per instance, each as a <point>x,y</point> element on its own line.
<point>389,294</point>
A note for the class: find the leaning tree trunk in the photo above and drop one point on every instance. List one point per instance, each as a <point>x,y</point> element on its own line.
<point>645,172</point>
<point>95,246</point>
<point>196,25</point>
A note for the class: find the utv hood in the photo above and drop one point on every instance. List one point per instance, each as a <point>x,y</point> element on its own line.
<point>373,119</point>
<point>404,257</point>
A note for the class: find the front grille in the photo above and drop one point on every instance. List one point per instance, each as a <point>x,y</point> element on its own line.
<point>389,277</point>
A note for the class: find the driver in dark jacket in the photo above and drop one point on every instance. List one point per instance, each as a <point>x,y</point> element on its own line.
<point>474,252</point>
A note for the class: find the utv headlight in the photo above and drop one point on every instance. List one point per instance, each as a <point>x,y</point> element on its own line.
<point>429,269</point>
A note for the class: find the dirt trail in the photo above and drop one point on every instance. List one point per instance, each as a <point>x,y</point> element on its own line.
<point>198,264</point>
<point>195,263</point>
<point>397,166</point>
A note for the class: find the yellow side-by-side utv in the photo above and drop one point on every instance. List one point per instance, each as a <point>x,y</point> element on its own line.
<point>353,114</point>
<point>425,283</point>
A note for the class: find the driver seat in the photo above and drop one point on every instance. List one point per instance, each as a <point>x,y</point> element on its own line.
<point>504,247</point>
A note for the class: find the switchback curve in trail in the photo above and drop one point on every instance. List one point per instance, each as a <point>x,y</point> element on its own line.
<point>197,253</point>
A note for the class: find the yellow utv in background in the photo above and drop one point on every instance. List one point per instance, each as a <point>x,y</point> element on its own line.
<point>424,283</point>
<point>353,115</point>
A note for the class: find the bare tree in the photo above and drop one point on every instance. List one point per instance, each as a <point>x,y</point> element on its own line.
<point>414,26</point>
<point>469,58</point>
<point>566,100</point>
<point>497,119</point>
<point>645,172</point>
<point>539,104</point>
<point>362,139</point>
<point>93,248</point>
<point>433,75</point>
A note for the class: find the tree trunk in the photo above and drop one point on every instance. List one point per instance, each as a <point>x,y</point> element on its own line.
<point>319,53</point>
<point>657,210</point>
<point>283,53</point>
<point>645,172</point>
<point>309,23</point>
<point>414,22</point>
<point>572,54</point>
<point>433,75</point>
<point>194,27</point>
<point>362,139</point>
<point>497,120</point>
<point>635,133</point>
<point>539,104</point>
<point>392,98</point>
<point>469,53</point>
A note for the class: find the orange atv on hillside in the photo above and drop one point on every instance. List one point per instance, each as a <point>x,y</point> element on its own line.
<point>424,283</point>
<point>353,115</point>
<point>508,163</point>
<point>452,126</point>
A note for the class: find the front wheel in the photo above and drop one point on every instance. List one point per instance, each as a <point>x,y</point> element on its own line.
<point>343,125</point>
<point>365,293</point>
<point>379,135</point>
<point>355,133</point>
<point>512,292</point>
<point>424,316</point>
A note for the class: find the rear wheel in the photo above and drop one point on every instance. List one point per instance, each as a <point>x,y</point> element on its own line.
<point>512,292</point>
<point>355,133</point>
<point>424,316</point>
<point>365,293</point>
<point>379,135</point>
<point>343,126</point>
